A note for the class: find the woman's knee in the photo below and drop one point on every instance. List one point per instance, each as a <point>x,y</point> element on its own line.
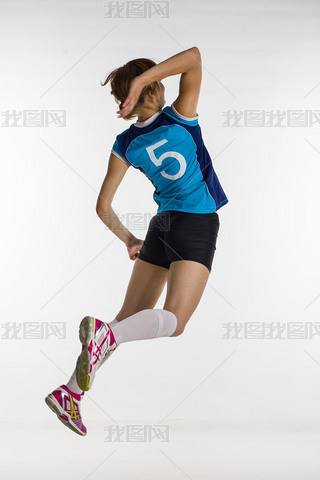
<point>180,324</point>
<point>178,331</point>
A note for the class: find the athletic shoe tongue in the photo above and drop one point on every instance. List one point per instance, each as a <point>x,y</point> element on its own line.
<point>74,395</point>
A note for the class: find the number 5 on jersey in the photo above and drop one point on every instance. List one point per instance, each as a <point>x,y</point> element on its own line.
<point>158,161</point>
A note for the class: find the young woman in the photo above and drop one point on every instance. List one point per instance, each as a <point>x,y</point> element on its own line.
<point>166,145</point>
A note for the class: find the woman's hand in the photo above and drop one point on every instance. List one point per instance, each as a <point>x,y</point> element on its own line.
<point>136,87</point>
<point>134,247</point>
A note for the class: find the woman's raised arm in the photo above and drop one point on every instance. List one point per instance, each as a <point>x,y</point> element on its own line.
<point>186,63</point>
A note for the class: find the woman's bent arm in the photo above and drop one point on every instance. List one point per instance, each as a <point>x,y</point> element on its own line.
<point>112,221</point>
<point>179,63</point>
<point>114,176</point>
<point>188,64</point>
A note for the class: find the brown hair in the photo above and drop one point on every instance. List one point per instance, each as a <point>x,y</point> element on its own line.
<point>120,80</point>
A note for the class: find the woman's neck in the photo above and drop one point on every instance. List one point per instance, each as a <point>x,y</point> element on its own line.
<point>147,113</point>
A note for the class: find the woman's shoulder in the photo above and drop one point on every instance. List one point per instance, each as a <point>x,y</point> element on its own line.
<point>172,112</point>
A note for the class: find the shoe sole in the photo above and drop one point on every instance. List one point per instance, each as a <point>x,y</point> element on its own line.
<point>83,368</point>
<point>54,406</point>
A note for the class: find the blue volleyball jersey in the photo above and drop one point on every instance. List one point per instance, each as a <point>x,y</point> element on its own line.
<point>168,148</point>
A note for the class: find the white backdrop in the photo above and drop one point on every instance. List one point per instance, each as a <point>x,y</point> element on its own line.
<point>236,408</point>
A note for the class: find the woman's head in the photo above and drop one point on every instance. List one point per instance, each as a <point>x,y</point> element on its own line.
<point>151,96</point>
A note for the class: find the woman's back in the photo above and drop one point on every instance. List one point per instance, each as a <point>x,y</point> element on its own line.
<point>168,148</point>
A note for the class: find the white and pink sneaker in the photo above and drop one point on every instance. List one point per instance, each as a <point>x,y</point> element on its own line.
<point>98,343</point>
<point>66,405</point>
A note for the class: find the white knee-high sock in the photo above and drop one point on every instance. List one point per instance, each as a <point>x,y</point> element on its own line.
<point>73,384</point>
<point>143,325</point>
<point>146,324</point>
<point>114,322</point>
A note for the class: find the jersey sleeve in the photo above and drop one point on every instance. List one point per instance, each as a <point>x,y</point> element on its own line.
<point>172,112</point>
<point>117,152</point>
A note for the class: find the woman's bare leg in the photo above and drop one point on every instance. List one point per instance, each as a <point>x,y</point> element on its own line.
<point>186,283</point>
<point>144,289</point>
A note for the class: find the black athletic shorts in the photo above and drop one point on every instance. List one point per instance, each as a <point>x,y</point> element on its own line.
<point>175,235</point>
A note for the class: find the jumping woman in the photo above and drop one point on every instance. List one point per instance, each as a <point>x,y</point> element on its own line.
<point>166,145</point>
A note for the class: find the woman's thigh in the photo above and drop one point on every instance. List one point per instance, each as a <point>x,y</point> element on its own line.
<point>186,284</point>
<point>144,288</point>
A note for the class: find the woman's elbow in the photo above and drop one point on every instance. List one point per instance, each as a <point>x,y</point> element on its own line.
<point>102,208</point>
<point>197,54</point>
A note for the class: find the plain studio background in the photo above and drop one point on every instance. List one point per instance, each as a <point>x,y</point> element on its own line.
<point>235,409</point>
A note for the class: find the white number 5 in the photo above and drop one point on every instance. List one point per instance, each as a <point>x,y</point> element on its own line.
<point>158,161</point>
